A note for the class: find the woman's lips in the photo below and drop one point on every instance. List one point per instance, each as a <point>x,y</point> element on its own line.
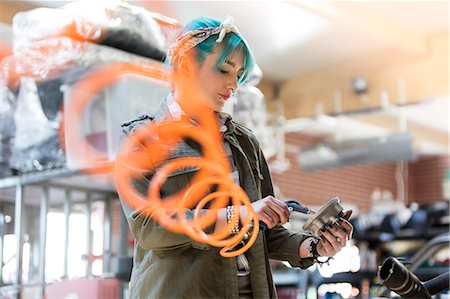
<point>224,96</point>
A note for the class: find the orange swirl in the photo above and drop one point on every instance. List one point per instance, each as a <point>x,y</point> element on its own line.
<point>148,149</point>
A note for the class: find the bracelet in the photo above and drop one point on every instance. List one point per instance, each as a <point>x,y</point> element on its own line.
<point>232,220</point>
<point>315,255</point>
<point>249,232</point>
<point>245,238</point>
<point>313,249</point>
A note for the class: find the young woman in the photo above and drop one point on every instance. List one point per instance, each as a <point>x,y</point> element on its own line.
<point>170,265</point>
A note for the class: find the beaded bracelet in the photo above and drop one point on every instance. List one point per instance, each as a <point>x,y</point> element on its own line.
<point>232,220</point>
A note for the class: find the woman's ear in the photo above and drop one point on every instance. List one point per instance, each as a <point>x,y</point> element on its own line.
<point>184,65</point>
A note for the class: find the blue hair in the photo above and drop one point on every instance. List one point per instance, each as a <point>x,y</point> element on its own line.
<point>231,43</point>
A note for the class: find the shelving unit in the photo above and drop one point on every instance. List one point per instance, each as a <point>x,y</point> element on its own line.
<point>60,189</point>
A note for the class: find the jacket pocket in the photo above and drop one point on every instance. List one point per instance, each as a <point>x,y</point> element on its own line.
<point>173,251</point>
<point>181,250</point>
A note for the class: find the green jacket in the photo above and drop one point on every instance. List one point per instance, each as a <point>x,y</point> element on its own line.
<point>170,265</point>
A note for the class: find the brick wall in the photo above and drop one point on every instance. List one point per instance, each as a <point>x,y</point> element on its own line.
<point>426,176</point>
<point>354,184</point>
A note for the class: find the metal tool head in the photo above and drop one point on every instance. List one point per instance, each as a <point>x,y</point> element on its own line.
<point>327,215</point>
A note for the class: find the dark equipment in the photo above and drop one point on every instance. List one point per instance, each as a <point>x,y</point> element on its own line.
<point>397,278</point>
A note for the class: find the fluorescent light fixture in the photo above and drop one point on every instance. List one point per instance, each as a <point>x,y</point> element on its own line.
<point>395,147</point>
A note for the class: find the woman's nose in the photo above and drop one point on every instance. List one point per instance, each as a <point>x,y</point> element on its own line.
<point>232,85</point>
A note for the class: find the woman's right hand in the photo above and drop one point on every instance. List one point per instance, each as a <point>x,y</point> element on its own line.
<point>271,211</point>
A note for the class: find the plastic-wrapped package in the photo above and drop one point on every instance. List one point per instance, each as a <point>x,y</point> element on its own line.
<point>53,49</point>
<point>37,24</point>
<point>50,58</point>
<point>137,20</point>
<point>36,142</point>
<point>70,60</point>
<point>31,124</point>
<point>123,26</point>
<point>38,82</point>
<point>42,59</point>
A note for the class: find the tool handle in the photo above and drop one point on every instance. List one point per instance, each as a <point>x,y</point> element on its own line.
<point>293,205</point>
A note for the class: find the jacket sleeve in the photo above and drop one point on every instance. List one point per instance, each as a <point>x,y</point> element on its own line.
<point>148,233</point>
<point>282,244</point>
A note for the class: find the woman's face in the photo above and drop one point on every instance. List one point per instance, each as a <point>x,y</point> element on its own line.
<point>218,83</point>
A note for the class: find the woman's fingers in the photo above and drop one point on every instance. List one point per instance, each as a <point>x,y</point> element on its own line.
<point>335,238</point>
<point>280,208</point>
<point>325,248</point>
<point>272,211</point>
<point>270,218</point>
<point>347,227</point>
<point>333,241</point>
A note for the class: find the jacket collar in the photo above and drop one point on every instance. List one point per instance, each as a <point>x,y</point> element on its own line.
<point>169,108</point>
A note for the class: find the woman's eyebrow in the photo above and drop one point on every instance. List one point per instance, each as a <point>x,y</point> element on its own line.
<point>233,65</point>
<point>230,63</point>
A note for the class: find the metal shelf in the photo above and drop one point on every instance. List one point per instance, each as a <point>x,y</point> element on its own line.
<point>36,178</point>
<point>93,180</point>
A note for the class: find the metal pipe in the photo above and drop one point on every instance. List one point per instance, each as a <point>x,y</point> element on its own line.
<point>67,201</point>
<point>123,244</point>
<point>107,237</point>
<point>18,233</point>
<point>2,234</point>
<point>43,237</point>
<point>88,234</point>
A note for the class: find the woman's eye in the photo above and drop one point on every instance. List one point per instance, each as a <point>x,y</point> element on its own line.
<point>222,71</point>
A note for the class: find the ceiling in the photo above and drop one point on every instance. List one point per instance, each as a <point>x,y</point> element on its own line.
<point>289,38</point>
<point>294,37</point>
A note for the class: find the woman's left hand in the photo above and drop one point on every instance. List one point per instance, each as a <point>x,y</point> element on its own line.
<point>334,238</point>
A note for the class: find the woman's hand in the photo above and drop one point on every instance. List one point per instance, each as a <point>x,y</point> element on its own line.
<point>271,211</point>
<point>333,239</point>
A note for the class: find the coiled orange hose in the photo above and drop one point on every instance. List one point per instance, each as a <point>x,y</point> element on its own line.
<point>148,149</point>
